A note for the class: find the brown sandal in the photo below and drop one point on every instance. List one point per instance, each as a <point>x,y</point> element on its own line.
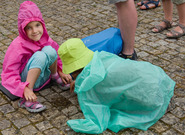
<point>176,34</point>
<point>162,28</point>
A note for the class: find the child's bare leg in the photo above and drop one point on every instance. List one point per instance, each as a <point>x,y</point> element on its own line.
<point>32,77</point>
<point>53,67</point>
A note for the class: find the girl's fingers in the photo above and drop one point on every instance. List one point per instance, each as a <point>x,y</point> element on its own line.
<point>72,86</point>
<point>63,79</point>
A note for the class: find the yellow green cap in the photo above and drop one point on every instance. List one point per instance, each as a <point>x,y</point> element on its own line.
<point>74,55</point>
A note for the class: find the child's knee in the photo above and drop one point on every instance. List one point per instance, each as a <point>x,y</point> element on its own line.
<point>50,53</point>
<point>39,59</point>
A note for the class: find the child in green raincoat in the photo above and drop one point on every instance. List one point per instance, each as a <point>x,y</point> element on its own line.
<point>114,93</point>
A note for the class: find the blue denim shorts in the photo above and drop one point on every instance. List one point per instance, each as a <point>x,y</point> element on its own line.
<point>41,59</point>
<point>116,1</point>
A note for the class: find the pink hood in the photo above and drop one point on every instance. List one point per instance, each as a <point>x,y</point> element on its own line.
<point>22,48</point>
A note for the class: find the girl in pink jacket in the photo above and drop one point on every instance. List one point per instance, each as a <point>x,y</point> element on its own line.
<point>31,59</point>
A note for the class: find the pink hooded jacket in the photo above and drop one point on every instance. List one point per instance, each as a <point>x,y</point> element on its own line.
<point>22,48</point>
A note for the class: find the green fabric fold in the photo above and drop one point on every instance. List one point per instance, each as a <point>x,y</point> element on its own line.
<point>115,93</point>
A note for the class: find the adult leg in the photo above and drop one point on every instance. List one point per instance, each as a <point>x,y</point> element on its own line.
<point>168,14</point>
<point>181,14</point>
<point>127,18</point>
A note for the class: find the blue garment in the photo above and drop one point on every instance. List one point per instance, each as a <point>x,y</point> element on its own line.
<point>108,40</point>
<point>41,59</point>
<point>118,93</point>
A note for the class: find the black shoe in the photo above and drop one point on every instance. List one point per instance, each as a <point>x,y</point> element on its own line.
<point>131,57</point>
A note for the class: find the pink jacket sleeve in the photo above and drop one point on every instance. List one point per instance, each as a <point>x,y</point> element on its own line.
<point>11,79</point>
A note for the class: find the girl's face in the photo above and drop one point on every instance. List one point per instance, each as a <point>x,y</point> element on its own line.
<point>34,30</point>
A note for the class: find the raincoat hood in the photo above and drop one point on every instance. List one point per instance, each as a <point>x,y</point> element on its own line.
<point>29,12</point>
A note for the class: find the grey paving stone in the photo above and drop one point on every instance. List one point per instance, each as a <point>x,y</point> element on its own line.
<point>179,112</point>
<point>29,130</point>
<point>9,131</point>
<point>6,108</point>
<point>44,125</point>
<point>46,92</point>
<point>35,117</point>
<point>82,18</point>
<point>180,102</point>
<point>180,126</point>
<point>170,119</point>
<point>171,132</point>
<point>74,100</point>
<point>159,127</point>
<point>147,133</point>
<point>19,123</point>
<point>53,131</point>
<point>4,124</point>
<point>2,101</point>
<point>51,113</point>
<point>71,110</point>
<point>59,121</point>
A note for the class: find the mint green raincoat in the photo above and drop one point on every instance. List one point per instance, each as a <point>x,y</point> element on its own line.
<point>117,93</point>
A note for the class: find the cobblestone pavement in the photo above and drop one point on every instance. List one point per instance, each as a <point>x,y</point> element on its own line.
<point>81,18</point>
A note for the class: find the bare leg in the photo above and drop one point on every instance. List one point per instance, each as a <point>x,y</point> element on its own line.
<point>181,13</point>
<point>32,77</point>
<point>127,18</point>
<point>168,9</point>
<point>168,12</point>
<point>53,67</point>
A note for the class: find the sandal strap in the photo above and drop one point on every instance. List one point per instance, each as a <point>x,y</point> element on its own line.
<point>156,3</point>
<point>174,32</point>
<point>33,105</point>
<point>182,27</point>
<point>161,28</point>
<point>168,23</point>
<point>22,101</point>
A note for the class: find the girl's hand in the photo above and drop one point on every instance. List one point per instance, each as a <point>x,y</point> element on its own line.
<point>72,86</point>
<point>29,95</point>
<point>66,78</point>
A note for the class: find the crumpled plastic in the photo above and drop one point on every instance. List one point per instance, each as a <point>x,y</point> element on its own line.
<point>118,93</point>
